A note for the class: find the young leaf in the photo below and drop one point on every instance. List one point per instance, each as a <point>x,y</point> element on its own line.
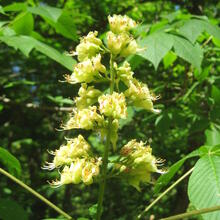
<point>10,162</point>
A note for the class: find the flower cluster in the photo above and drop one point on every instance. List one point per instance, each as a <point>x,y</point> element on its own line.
<point>102,112</point>
<point>137,163</point>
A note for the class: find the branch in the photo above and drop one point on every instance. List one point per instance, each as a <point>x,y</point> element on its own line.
<point>194,212</point>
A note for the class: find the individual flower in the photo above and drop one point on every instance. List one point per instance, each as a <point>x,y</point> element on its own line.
<point>66,154</point>
<point>113,105</point>
<point>89,46</point>
<point>87,71</point>
<point>139,95</point>
<point>87,118</point>
<point>91,170</point>
<point>124,72</point>
<point>121,44</point>
<point>138,163</point>
<point>119,23</point>
<point>81,170</point>
<point>87,96</point>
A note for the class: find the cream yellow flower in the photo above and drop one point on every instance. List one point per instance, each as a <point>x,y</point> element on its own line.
<point>87,71</point>
<point>119,23</point>
<point>66,154</point>
<point>124,72</point>
<point>87,118</point>
<point>139,95</point>
<point>113,105</point>
<point>87,96</point>
<point>138,163</point>
<point>89,46</point>
<point>121,44</point>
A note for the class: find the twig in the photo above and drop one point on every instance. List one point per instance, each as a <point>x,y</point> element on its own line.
<point>165,192</point>
<point>194,212</point>
<point>29,189</point>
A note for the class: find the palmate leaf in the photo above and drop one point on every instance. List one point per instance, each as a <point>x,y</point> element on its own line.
<point>204,183</point>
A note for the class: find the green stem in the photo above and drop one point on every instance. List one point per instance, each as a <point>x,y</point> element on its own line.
<point>19,182</point>
<point>194,212</point>
<point>106,150</point>
<point>165,192</point>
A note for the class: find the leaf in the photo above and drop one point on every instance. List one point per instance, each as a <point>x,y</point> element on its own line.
<point>215,94</point>
<point>169,59</point>
<point>20,82</point>
<point>23,24</point>
<point>212,136</point>
<point>46,11</point>
<point>156,46</point>
<point>192,29</point>
<point>11,210</point>
<point>60,100</point>
<point>9,161</point>
<point>20,6</point>
<point>166,178</point>
<point>27,43</point>
<point>189,52</point>
<point>204,184</point>
<point>130,115</point>
<point>54,54</point>
<point>24,43</point>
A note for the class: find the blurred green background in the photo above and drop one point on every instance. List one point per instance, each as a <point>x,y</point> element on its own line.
<point>184,71</point>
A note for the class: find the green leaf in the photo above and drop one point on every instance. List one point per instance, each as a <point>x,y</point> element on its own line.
<point>204,184</point>
<point>45,11</point>
<point>215,94</point>
<point>9,161</point>
<point>166,178</point>
<point>156,46</point>
<point>23,24</point>
<point>11,210</point>
<point>189,52</point>
<point>1,10</point>
<point>169,59</point>
<point>27,43</point>
<point>212,136</point>
<point>21,82</point>
<point>20,6</point>
<point>54,54</point>
<point>192,29</point>
<point>60,100</point>
<point>24,43</point>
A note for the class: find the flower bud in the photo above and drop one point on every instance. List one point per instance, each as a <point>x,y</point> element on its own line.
<point>87,118</point>
<point>89,46</point>
<point>139,95</point>
<point>113,105</point>
<point>87,71</point>
<point>119,23</point>
<point>87,96</point>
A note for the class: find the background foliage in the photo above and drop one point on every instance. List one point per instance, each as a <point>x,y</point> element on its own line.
<point>181,63</point>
